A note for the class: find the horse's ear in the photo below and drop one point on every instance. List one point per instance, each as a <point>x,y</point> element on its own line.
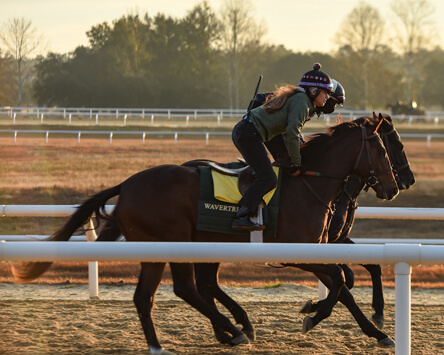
<point>381,119</point>
<point>374,115</point>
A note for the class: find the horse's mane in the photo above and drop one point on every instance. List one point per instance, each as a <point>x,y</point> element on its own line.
<point>317,143</point>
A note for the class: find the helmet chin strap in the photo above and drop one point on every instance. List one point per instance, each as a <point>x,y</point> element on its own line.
<point>315,95</point>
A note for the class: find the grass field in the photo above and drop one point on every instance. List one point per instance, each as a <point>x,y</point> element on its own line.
<point>63,171</point>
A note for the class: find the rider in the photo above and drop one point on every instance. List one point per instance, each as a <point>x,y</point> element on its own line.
<point>286,111</point>
<point>276,146</point>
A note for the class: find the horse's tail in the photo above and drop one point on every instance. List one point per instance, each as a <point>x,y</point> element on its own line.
<point>28,271</point>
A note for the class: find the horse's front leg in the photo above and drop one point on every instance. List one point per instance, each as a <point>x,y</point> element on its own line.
<point>378,294</point>
<point>310,306</point>
<point>347,299</point>
<point>337,281</point>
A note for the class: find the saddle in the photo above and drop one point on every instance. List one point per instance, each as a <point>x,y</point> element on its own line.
<point>245,174</point>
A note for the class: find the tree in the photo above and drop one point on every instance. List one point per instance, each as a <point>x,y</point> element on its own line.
<point>415,35</point>
<point>7,86</point>
<point>240,33</point>
<point>362,33</point>
<point>21,41</point>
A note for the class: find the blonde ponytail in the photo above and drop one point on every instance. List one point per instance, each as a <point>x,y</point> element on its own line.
<point>278,98</point>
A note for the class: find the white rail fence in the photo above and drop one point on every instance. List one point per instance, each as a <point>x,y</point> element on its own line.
<point>187,114</point>
<point>143,135</point>
<point>397,252</point>
<point>402,256</point>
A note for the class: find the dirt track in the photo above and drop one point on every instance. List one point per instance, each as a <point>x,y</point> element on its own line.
<point>42,319</point>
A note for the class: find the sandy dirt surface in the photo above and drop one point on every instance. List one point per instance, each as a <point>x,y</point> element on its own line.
<point>60,319</point>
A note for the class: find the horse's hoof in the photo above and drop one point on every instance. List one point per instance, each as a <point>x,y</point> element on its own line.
<point>240,340</point>
<point>378,320</point>
<point>307,325</point>
<point>386,342</point>
<point>251,334</point>
<point>307,308</point>
<point>224,338</point>
<point>160,351</point>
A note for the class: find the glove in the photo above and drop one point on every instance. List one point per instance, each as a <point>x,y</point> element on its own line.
<point>295,170</point>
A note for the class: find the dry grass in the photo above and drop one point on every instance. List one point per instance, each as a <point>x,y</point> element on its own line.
<point>66,172</point>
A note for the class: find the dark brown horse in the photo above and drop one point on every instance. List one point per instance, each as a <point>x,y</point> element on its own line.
<point>160,204</point>
<point>346,206</point>
<point>340,228</point>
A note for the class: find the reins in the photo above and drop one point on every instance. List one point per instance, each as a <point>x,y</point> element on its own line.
<point>371,181</point>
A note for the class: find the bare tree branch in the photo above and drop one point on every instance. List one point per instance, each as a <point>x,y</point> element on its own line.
<point>21,41</point>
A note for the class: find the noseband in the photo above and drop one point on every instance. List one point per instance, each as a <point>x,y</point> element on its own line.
<point>395,169</point>
<point>372,180</point>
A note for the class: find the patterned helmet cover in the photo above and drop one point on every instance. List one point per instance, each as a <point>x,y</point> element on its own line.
<point>317,78</point>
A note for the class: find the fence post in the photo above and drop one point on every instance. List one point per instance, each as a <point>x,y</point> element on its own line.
<point>93,266</point>
<point>403,273</point>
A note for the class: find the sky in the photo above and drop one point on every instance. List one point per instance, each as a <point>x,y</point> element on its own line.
<point>300,25</point>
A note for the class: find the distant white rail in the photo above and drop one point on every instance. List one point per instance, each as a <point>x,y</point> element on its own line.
<point>143,135</point>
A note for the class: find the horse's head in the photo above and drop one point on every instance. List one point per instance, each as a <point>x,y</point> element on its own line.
<point>373,162</point>
<point>395,150</point>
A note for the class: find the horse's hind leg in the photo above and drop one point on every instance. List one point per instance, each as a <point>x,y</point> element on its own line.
<point>185,288</point>
<point>208,287</point>
<point>149,280</point>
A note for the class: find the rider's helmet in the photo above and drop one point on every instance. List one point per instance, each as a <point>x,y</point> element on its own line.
<point>337,97</point>
<point>316,79</point>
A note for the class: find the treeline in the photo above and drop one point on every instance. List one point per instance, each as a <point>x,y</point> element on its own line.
<point>207,61</point>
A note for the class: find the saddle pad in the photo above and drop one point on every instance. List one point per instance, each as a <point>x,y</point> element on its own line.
<point>226,187</point>
<point>217,216</point>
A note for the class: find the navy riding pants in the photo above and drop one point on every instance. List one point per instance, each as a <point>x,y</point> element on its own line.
<point>249,143</point>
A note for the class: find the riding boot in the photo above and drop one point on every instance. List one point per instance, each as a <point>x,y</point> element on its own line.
<point>242,221</point>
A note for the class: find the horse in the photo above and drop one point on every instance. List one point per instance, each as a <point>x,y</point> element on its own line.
<point>346,205</point>
<point>160,204</point>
